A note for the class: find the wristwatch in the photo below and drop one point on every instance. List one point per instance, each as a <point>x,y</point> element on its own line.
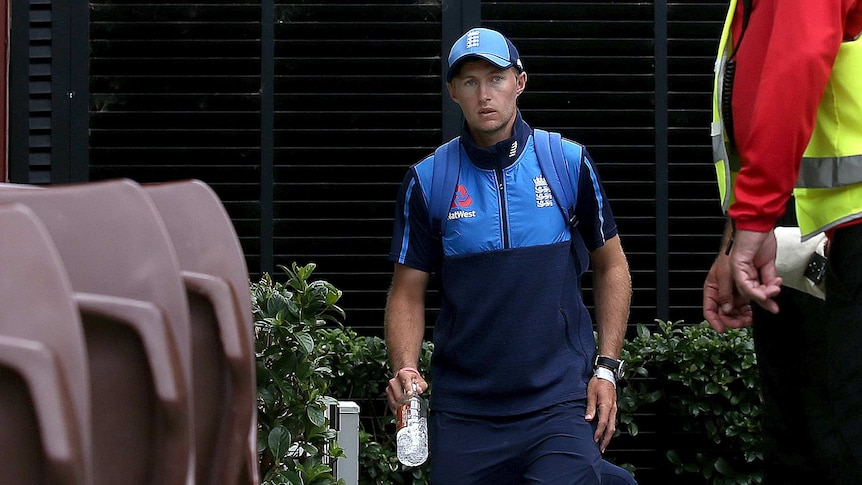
<point>617,366</point>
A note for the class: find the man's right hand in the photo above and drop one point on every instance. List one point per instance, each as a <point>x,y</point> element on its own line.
<point>400,387</point>
<point>723,306</point>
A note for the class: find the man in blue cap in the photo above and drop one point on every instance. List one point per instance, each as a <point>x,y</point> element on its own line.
<point>521,393</point>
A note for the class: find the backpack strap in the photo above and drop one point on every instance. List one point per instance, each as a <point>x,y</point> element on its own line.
<point>447,165</point>
<point>552,162</point>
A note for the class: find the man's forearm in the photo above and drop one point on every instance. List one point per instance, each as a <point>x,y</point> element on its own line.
<point>404,322</point>
<point>612,290</point>
<point>405,328</point>
<point>613,300</point>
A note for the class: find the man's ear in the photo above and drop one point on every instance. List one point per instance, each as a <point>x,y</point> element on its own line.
<point>522,83</point>
<point>452,91</point>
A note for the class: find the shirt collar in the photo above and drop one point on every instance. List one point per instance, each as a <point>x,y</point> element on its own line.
<point>502,154</point>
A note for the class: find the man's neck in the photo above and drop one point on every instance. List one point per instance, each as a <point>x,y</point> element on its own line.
<point>487,140</point>
<point>502,153</point>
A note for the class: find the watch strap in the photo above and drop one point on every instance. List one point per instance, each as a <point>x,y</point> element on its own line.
<point>614,365</point>
<point>605,374</point>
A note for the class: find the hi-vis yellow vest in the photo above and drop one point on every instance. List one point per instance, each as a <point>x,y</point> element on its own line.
<point>829,188</point>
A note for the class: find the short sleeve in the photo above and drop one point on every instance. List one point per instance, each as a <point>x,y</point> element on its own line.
<point>596,222</point>
<point>413,243</point>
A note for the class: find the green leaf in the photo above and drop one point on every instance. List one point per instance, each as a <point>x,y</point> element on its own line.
<point>276,303</point>
<point>306,341</point>
<point>711,428</point>
<point>332,296</point>
<point>316,415</point>
<point>290,477</point>
<point>279,441</point>
<point>723,467</point>
<point>286,364</point>
<point>310,449</point>
<point>306,271</point>
<point>266,395</point>
<point>643,331</point>
<point>652,397</point>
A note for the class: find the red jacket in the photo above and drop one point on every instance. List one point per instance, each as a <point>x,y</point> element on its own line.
<point>783,64</point>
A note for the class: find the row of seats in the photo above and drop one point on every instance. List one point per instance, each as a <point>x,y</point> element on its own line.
<point>126,337</point>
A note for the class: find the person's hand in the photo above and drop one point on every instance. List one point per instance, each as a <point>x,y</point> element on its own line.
<point>752,263</point>
<point>400,387</point>
<point>602,403</point>
<point>723,306</point>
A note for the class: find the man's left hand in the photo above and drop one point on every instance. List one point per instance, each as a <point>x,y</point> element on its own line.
<point>602,403</point>
<point>752,262</point>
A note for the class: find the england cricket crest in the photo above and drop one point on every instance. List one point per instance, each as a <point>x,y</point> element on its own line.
<point>544,198</point>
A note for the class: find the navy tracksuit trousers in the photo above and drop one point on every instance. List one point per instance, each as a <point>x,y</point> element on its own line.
<point>549,446</point>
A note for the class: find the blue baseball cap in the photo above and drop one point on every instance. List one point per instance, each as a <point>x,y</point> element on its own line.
<point>485,44</point>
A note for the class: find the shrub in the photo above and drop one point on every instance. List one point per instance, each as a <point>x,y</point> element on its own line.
<point>294,439</point>
<point>707,385</point>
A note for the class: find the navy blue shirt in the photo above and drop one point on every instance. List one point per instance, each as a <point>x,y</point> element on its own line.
<point>513,334</point>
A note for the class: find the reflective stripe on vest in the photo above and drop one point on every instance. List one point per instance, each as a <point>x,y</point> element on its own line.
<point>828,191</point>
<point>829,188</point>
<point>725,173</point>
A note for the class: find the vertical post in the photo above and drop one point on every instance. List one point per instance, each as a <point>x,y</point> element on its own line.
<point>79,91</point>
<point>4,32</point>
<point>662,195</point>
<point>19,94</point>
<point>61,92</point>
<point>458,16</point>
<point>267,144</point>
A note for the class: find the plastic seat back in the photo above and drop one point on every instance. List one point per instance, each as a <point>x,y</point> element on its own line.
<point>216,278</point>
<point>44,376</point>
<point>130,294</point>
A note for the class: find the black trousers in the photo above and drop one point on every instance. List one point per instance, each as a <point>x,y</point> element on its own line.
<point>810,362</point>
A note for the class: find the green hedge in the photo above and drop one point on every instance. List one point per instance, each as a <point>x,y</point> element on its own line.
<point>705,385</point>
<point>702,383</point>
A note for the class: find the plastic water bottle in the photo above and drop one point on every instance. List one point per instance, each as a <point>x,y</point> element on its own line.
<point>412,435</point>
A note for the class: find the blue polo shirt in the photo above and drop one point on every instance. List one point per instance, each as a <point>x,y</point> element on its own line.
<point>513,334</point>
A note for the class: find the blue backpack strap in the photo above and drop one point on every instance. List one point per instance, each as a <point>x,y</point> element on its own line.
<point>447,164</point>
<point>552,162</point>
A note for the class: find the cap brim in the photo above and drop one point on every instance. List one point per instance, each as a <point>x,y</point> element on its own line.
<point>496,61</point>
